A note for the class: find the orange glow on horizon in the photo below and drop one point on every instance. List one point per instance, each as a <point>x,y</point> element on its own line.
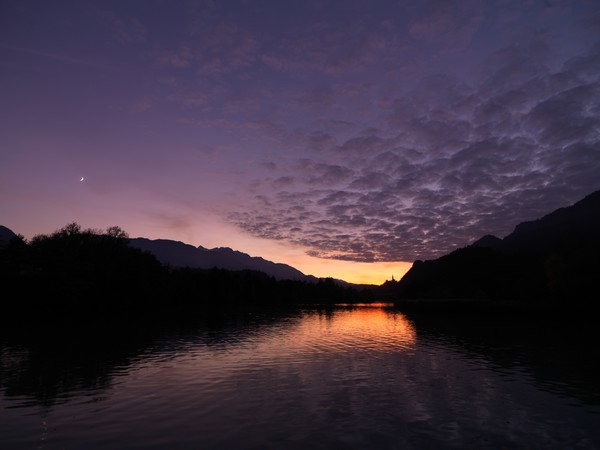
<point>354,272</point>
<point>210,232</point>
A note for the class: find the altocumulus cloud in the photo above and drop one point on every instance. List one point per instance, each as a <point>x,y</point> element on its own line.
<point>448,162</point>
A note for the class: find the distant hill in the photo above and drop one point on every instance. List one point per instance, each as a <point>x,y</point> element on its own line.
<point>552,260</point>
<point>178,254</point>
<point>5,235</point>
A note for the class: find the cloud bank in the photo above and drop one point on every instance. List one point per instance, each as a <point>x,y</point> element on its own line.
<point>450,162</point>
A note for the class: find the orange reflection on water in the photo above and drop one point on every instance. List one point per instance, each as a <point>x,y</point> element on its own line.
<point>295,344</point>
<point>373,327</point>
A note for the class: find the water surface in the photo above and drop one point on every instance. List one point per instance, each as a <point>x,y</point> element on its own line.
<point>341,377</point>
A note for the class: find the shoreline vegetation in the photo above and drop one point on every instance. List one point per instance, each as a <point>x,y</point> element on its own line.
<point>97,273</point>
<point>494,309</point>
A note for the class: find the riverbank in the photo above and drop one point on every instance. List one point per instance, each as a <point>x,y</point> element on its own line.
<point>504,308</point>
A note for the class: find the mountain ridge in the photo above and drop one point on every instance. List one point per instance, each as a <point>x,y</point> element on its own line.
<point>565,226</point>
<point>550,260</point>
<point>180,254</point>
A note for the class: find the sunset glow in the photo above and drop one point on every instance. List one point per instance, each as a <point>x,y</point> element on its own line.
<point>344,139</point>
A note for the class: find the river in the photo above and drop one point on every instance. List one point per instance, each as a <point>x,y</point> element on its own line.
<point>342,377</point>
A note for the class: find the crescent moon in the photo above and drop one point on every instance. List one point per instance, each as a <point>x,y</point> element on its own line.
<point>82,179</point>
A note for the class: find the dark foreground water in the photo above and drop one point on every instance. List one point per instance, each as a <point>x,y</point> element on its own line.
<point>341,378</point>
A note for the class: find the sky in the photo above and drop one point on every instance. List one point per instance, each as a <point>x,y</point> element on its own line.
<point>346,138</point>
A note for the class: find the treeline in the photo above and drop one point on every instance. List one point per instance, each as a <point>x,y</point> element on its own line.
<point>90,271</point>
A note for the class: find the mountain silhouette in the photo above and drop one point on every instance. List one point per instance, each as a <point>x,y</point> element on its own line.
<point>551,261</point>
<point>5,235</point>
<point>568,227</point>
<point>488,241</point>
<point>179,254</point>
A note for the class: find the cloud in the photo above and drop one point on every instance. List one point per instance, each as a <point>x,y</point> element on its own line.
<point>58,57</point>
<point>211,49</point>
<point>438,174</point>
<point>449,25</point>
<point>329,48</point>
<point>592,22</point>
<point>179,58</point>
<point>124,29</point>
<point>587,67</point>
<point>397,134</point>
<point>568,117</point>
<point>283,182</point>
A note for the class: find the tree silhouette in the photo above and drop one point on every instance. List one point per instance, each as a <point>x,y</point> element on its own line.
<point>117,232</point>
<point>95,273</point>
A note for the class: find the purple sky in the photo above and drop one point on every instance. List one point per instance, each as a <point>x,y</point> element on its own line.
<point>315,133</point>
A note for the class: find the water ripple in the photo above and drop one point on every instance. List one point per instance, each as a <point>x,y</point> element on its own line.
<point>338,378</point>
